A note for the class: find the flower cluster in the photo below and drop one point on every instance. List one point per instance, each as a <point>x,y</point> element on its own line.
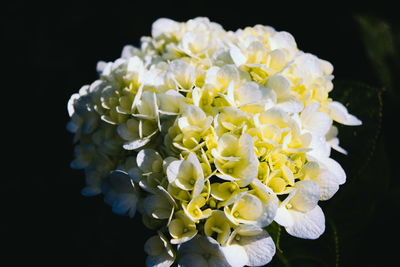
<point>211,135</point>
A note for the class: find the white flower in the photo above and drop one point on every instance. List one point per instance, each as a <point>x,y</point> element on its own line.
<point>255,207</point>
<point>194,121</point>
<point>187,174</point>
<point>308,67</point>
<point>171,102</point>
<point>180,76</point>
<point>218,224</point>
<point>249,245</point>
<point>202,252</point>
<point>121,193</point>
<point>147,107</point>
<point>181,228</point>
<point>149,171</point>
<point>235,159</point>
<point>331,165</point>
<point>159,250</point>
<point>135,71</point>
<point>195,209</point>
<point>159,205</point>
<point>300,214</point>
<point>136,132</point>
<point>221,77</point>
<point>325,179</point>
<point>225,192</point>
<point>286,99</point>
<point>192,125</point>
<point>253,98</point>
<point>231,120</point>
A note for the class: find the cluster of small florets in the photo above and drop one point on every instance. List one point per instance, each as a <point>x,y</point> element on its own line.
<point>212,135</point>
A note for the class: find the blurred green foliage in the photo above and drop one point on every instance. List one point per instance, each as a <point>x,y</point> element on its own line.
<point>381,41</point>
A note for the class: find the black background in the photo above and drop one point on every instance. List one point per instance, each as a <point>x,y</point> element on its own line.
<point>51,50</point>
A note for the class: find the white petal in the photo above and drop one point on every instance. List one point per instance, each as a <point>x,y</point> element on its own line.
<point>309,110</point>
<point>237,56</point>
<point>153,246</point>
<point>248,92</point>
<point>135,144</point>
<point>290,104</point>
<point>196,96</point>
<point>173,170</point>
<point>259,248</point>
<point>283,40</point>
<point>120,182</point>
<point>71,102</point>
<point>125,133</point>
<point>319,146</point>
<point>192,158</point>
<point>309,64</point>
<point>101,65</point>
<point>280,84</point>
<point>149,160</point>
<point>211,75</point>
<point>156,207</point>
<point>246,151</point>
<point>283,217</point>
<point>334,143</point>
<point>326,67</point>
<point>268,95</point>
<point>334,167</point>
<point>123,203</point>
<point>128,51</point>
<point>316,122</point>
<point>340,114</point>
<point>269,212</point>
<point>307,195</point>
<point>270,203</point>
<point>183,73</point>
<point>235,255</point>
<point>202,251</point>
<point>138,95</point>
<point>308,225</point>
<point>275,116</point>
<point>163,25</point>
<point>135,64</point>
<point>327,183</point>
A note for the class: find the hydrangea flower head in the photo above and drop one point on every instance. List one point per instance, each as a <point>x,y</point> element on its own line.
<point>212,135</point>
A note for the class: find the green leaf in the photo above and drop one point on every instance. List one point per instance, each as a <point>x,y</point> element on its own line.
<point>381,43</point>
